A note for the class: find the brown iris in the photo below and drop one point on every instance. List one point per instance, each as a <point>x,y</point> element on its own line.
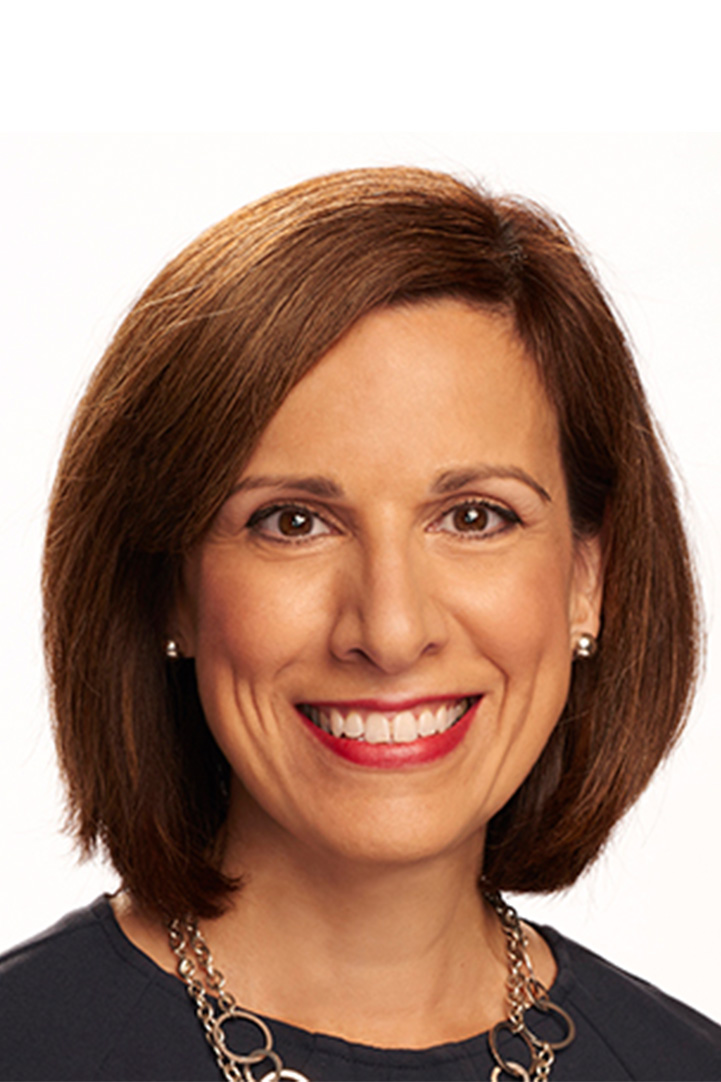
<point>470,517</point>
<point>292,522</point>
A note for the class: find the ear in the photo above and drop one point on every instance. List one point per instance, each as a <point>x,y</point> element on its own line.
<point>586,599</point>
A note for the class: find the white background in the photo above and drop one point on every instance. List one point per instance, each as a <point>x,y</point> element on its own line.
<point>87,220</point>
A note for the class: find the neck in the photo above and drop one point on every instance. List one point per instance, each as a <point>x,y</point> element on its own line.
<point>402,954</point>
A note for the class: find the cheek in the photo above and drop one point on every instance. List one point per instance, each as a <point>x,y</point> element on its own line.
<point>520,611</point>
<point>520,628</point>
<point>521,631</point>
<point>254,624</point>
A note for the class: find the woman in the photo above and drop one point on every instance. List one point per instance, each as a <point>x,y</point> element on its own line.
<point>337,526</point>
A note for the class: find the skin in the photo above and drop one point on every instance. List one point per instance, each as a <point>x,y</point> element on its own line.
<point>362,878</point>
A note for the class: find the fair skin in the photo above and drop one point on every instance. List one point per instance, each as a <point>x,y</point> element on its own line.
<point>397,557</point>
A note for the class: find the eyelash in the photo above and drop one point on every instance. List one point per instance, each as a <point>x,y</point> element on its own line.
<point>258,521</point>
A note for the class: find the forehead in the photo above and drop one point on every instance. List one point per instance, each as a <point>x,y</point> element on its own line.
<point>429,385</point>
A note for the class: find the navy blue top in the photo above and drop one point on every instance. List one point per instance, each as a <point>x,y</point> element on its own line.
<point>81,1002</point>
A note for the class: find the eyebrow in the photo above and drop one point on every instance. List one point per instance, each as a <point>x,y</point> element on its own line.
<point>446,482</point>
<point>452,480</point>
<point>316,486</point>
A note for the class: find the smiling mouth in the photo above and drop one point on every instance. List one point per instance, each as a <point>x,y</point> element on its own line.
<point>388,727</point>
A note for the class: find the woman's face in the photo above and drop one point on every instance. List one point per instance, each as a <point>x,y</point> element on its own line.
<point>383,613</point>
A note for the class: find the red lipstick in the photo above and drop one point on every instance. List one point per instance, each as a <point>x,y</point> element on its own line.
<point>426,749</point>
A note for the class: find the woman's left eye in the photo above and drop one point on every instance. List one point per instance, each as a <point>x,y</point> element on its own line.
<point>289,522</point>
<point>477,518</point>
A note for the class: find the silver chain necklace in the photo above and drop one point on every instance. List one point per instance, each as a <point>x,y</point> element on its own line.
<point>203,980</point>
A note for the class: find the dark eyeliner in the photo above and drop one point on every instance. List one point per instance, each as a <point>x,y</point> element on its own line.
<point>499,508</point>
<point>505,512</point>
<point>264,513</point>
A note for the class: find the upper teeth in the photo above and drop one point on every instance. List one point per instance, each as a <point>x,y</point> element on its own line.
<point>391,727</point>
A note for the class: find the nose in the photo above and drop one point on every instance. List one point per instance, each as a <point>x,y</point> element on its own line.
<point>386,614</point>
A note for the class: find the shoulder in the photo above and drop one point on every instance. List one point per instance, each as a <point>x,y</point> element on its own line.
<point>71,998</point>
<point>77,954</point>
<point>651,1035</point>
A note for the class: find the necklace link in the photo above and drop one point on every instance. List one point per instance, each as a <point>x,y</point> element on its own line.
<point>525,990</point>
<point>185,936</point>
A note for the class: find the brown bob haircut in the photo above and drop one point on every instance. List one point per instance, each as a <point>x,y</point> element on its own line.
<point>173,412</point>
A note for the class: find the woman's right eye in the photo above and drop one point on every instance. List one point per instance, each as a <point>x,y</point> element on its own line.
<point>288,522</point>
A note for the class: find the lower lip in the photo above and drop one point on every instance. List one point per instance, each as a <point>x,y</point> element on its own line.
<point>427,749</point>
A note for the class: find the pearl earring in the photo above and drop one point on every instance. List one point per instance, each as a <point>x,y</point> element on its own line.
<point>172,650</point>
<point>586,646</point>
